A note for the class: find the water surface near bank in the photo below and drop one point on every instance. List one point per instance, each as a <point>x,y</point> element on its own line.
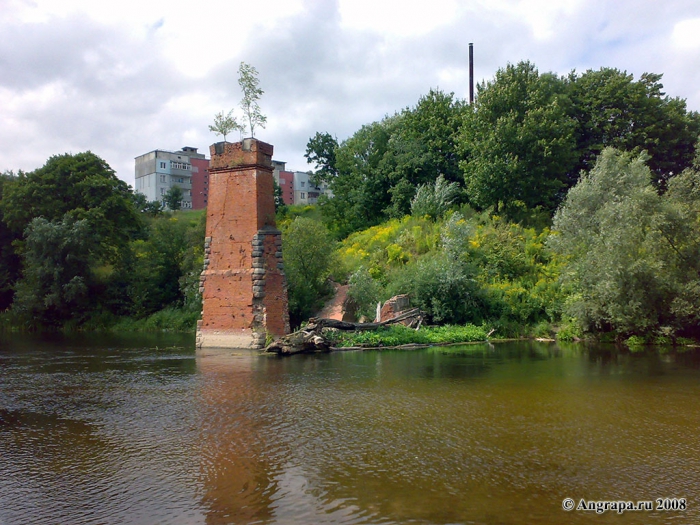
<point>143,429</point>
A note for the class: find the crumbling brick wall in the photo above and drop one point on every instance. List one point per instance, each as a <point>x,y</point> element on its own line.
<point>244,289</point>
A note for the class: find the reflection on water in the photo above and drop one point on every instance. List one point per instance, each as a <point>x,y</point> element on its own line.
<point>147,431</point>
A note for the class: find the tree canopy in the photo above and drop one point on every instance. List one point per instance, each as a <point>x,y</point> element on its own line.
<point>611,109</point>
<point>515,152</point>
<point>518,141</point>
<point>173,198</point>
<point>375,173</point>
<point>633,255</point>
<point>80,186</point>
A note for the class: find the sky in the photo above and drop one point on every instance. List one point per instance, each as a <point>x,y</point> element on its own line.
<point>124,78</point>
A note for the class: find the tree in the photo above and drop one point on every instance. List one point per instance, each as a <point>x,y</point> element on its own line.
<point>225,124</point>
<point>80,186</point>
<point>320,150</point>
<point>433,127</point>
<point>634,256</point>
<point>362,188</point>
<point>518,142</point>
<point>57,271</point>
<point>375,173</point>
<point>173,198</point>
<point>611,109</point>
<point>9,260</point>
<point>248,80</point>
<point>279,198</point>
<point>308,258</point>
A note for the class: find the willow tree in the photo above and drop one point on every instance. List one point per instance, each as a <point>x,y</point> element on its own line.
<point>633,255</point>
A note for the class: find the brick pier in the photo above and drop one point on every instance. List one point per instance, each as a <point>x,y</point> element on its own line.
<point>244,290</point>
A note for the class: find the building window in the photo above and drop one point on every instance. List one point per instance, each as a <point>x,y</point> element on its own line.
<point>162,191</point>
<point>302,184</point>
<point>303,195</point>
<point>162,178</point>
<point>162,165</point>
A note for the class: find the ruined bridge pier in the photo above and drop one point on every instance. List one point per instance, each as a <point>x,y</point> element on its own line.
<point>244,289</point>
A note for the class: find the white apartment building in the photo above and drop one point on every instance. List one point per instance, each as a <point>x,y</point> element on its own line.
<point>305,192</point>
<point>157,171</point>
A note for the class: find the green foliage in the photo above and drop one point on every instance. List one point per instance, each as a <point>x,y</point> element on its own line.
<point>460,270</point>
<point>378,169</point>
<point>633,256</point>
<point>443,288</point>
<point>225,124</point>
<point>57,275</point>
<point>169,319</point>
<point>173,198</point>
<point>308,258</point>
<point>320,151</point>
<point>518,142</point>
<point>389,245</point>
<point>80,186</point>
<point>516,151</point>
<point>279,199</point>
<point>152,208</point>
<point>88,256</point>
<point>365,291</point>
<point>613,110</point>
<point>163,269</point>
<point>9,259</point>
<point>395,335</point>
<point>249,82</point>
<point>569,330</point>
<point>435,199</point>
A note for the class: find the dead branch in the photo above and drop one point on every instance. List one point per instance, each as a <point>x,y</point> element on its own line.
<point>310,339</point>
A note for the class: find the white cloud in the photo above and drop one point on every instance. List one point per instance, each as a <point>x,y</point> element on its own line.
<point>686,34</point>
<point>123,78</point>
<point>405,18</point>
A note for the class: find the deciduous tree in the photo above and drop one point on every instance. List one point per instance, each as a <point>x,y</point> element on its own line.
<point>611,109</point>
<point>225,124</point>
<point>308,256</point>
<point>518,141</point>
<point>173,198</point>
<point>57,271</point>
<point>320,151</point>
<point>80,186</point>
<point>249,82</point>
<point>633,254</point>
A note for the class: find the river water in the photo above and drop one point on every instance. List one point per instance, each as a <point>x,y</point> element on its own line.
<point>144,430</point>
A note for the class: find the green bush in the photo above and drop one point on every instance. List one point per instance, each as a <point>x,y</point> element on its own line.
<point>365,291</point>
<point>396,335</point>
<point>445,289</point>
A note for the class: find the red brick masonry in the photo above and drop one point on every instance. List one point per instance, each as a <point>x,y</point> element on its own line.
<point>244,289</point>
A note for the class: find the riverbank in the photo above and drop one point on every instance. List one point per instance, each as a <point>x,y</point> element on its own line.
<point>166,320</point>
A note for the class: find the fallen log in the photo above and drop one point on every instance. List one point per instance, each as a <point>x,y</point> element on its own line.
<point>316,323</point>
<point>310,339</point>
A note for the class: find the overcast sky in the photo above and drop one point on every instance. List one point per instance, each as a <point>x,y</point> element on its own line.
<point>121,78</point>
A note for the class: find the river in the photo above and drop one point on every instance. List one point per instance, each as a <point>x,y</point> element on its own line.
<point>136,429</point>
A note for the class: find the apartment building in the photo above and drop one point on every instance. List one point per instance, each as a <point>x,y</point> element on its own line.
<point>159,170</point>
<point>305,191</point>
<point>285,180</point>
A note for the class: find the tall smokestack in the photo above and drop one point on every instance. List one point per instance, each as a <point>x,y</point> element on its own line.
<point>471,73</point>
